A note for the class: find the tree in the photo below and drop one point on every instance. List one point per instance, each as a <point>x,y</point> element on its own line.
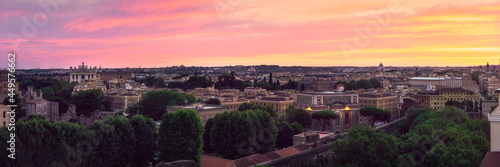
<point>145,133</point>
<point>302,87</point>
<point>375,114</point>
<point>88,101</point>
<point>126,139</point>
<point>107,144</point>
<point>249,106</point>
<point>271,78</point>
<point>297,128</point>
<point>365,84</point>
<point>300,116</point>
<point>181,136</point>
<point>266,131</point>
<point>206,136</point>
<point>213,101</point>
<point>353,85</point>
<point>324,116</point>
<point>467,105</point>
<point>453,103</point>
<point>377,148</point>
<point>154,104</point>
<point>236,128</point>
<point>285,135</point>
<point>376,83</point>
<point>20,113</point>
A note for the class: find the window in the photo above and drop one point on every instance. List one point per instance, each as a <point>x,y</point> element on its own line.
<point>346,119</point>
<point>4,114</point>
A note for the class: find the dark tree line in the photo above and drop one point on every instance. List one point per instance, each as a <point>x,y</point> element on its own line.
<point>361,84</point>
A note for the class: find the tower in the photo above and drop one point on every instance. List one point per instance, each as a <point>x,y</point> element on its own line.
<point>488,66</point>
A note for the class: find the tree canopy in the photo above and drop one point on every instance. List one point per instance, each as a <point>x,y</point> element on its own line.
<point>375,114</point>
<point>181,136</point>
<point>324,116</point>
<point>88,101</point>
<point>154,104</point>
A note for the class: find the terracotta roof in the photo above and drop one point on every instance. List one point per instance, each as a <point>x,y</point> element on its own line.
<point>491,159</point>
<point>209,161</point>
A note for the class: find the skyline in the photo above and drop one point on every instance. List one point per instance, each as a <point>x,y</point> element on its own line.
<point>114,34</point>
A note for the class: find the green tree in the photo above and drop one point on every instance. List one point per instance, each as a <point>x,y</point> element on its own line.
<point>303,118</point>
<point>266,131</point>
<point>297,128</point>
<point>153,104</point>
<point>365,84</point>
<point>324,116</point>
<point>377,148</point>
<point>181,136</point>
<point>207,148</point>
<point>145,133</point>
<point>376,83</point>
<point>236,128</point>
<point>375,114</point>
<point>453,103</point>
<point>20,112</point>
<point>213,101</point>
<point>126,139</point>
<point>106,151</point>
<point>285,135</point>
<point>89,100</point>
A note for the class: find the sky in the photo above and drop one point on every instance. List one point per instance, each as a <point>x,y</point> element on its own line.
<point>160,33</point>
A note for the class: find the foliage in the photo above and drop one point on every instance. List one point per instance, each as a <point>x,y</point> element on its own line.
<point>181,136</point>
<point>233,135</point>
<point>154,104</point>
<point>365,147</point>
<point>285,135</point>
<point>192,82</point>
<point>300,116</point>
<point>206,136</point>
<point>152,81</point>
<point>213,101</point>
<point>324,116</point>
<point>88,100</point>
<point>376,83</point>
<point>145,133</point>
<point>375,114</point>
<point>20,112</point>
<point>297,128</point>
<point>249,106</point>
<point>126,139</point>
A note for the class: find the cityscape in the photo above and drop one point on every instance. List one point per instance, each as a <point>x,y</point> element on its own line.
<point>235,83</point>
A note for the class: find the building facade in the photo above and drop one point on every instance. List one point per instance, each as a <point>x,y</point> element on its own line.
<point>436,99</point>
<point>82,73</point>
<point>121,75</point>
<point>5,117</point>
<point>121,101</point>
<point>383,101</point>
<point>278,103</point>
<point>437,81</point>
<point>344,104</point>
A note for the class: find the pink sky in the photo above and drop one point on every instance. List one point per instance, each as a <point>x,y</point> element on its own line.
<point>158,33</point>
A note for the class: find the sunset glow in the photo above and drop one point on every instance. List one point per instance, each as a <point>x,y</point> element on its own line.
<point>162,33</point>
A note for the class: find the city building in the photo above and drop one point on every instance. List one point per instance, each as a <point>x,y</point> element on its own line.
<point>317,84</point>
<point>437,81</point>
<point>83,73</point>
<point>4,84</point>
<point>383,101</point>
<point>121,75</point>
<point>5,117</point>
<point>36,105</point>
<point>121,101</point>
<point>344,104</point>
<point>278,103</point>
<point>88,85</point>
<point>436,99</point>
